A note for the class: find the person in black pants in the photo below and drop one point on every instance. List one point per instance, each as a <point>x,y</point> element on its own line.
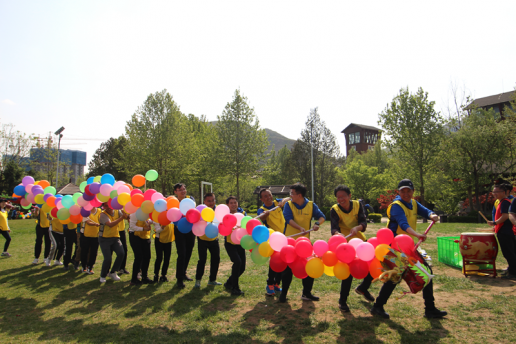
<point>185,242</point>
<point>236,253</point>
<point>163,247</point>
<point>505,216</point>
<point>70,238</point>
<point>90,241</point>
<point>123,240</point>
<point>139,239</point>
<point>41,232</point>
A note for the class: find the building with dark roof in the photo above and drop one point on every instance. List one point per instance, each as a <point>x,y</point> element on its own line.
<point>361,137</point>
<point>496,102</point>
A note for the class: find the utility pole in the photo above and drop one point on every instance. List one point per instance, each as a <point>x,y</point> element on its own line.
<point>58,132</point>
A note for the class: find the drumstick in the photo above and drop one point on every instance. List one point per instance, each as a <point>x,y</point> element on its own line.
<point>426,232</point>
<point>300,233</point>
<point>485,218</point>
<point>257,217</point>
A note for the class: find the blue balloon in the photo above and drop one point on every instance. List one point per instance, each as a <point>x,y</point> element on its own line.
<point>67,201</point>
<point>107,178</point>
<point>160,205</point>
<point>140,215</point>
<point>260,234</point>
<point>59,196</point>
<point>19,190</point>
<point>90,180</point>
<point>211,231</point>
<point>185,205</point>
<point>184,226</point>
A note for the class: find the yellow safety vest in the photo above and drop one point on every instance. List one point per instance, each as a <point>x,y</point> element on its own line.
<point>71,225</point>
<point>142,234</point>
<point>43,219</point>
<point>121,225</point>
<point>275,220</point>
<point>410,214</point>
<point>167,234</point>
<point>349,220</point>
<point>110,232</point>
<point>4,226</point>
<point>57,226</point>
<point>92,231</point>
<point>303,217</point>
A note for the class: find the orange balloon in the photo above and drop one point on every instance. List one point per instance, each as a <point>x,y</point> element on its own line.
<point>65,222</point>
<point>129,186</point>
<point>163,219</point>
<point>137,200</point>
<point>380,251</point>
<point>138,180</point>
<point>155,216</point>
<point>341,270</point>
<point>329,258</point>
<point>43,184</point>
<point>172,202</point>
<point>375,268</point>
<point>51,201</point>
<point>76,219</point>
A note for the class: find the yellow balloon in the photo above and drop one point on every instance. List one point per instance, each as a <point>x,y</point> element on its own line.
<point>380,251</point>
<point>102,198</point>
<point>328,270</point>
<point>155,215</point>
<point>124,198</point>
<point>265,249</point>
<point>208,214</point>
<point>271,231</point>
<point>315,268</point>
<point>46,208</point>
<point>147,207</point>
<point>65,222</point>
<point>97,179</point>
<point>39,199</point>
<point>341,270</point>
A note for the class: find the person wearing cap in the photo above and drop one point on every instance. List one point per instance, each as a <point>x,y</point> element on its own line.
<point>42,232</point>
<point>402,213</point>
<point>348,219</point>
<point>109,241</point>
<point>4,226</point>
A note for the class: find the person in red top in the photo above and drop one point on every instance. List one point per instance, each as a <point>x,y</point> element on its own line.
<point>504,228</point>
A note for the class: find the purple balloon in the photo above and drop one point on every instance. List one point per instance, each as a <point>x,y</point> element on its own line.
<point>27,180</point>
<point>85,213</point>
<point>57,201</point>
<point>200,207</point>
<point>115,205</point>
<point>88,197</point>
<point>36,191</point>
<point>95,188</point>
<point>47,196</point>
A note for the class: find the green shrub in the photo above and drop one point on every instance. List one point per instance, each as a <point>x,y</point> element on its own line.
<point>377,218</point>
<point>252,209</point>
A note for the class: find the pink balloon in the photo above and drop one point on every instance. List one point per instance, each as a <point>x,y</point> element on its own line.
<point>105,189</point>
<point>174,214</point>
<point>224,230</point>
<point>123,189</point>
<point>28,188</point>
<point>59,205</point>
<point>24,202</point>
<point>234,237</point>
<point>131,208</point>
<point>403,243</point>
<point>239,217</point>
<point>86,207</point>
<point>75,210</point>
<point>304,249</point>
<point>241,232</point>
<point>82,202</point>
<point>154,197</point>
<point>384,236</point>
<point>199,227</point>
<point>30,198</point>
<point>320,247</point>
<point>345,253</point>
<point>358,268</point>
<point>147,196</point>
<point>277,241</point>
<point>288,254</point>
<point>335,241</point>
<point>220,211</point>
<point>365,251</point>
<point>118,184</point>
<point>355,242</point>
<point>373,241</point>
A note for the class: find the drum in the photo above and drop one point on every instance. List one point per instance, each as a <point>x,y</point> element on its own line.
<point>478,246</point>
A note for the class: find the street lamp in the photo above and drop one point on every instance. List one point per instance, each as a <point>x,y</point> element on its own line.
<point>58,132</point>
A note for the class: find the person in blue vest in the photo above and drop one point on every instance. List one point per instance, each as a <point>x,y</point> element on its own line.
<point>298,213</point>
<point>402,213</point>
<point>272,219</point>
<point>185,242</point>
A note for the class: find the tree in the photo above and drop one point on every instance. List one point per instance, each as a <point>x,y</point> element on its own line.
<point>279,169</point>
<point>14,145</point>
<point>108,158</point>
<point>242,142</point>
<point>364,181</point>
<point>414,131</point>
<point>11,176</point>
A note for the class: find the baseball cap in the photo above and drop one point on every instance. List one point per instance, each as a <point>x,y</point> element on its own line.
<point>406,183</point>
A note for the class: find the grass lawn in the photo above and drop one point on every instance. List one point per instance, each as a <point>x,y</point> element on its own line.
<point>47,304</point>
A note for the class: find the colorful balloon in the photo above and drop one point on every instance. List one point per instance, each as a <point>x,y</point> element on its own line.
<point>220,211</point>
<point>277,241</point>
<point>384,236</point>
<point>288,254</point>
<point>151,175</point>
<point>107,178</point>
<point>229,220</point>
<point>345,253</point>
<point>27,180</point>
<point>380,251</point>
<point>174,214</point>
<point>373,241</point>
<point>208,214</point>
<point>341,270</point>
<point>193,215</point>
<point>211,231</point>
<point>260,233</point>
<point>185,205</point>
<point>276,263</point>
<point>265,249</point>
<point>224,231</point>
<point>257,258</point>
<point>314,268</point>
<point>335,241</point>
<point>247,242</point>
<point>403,243</point>
<point>304,250</point>
<point>330,258</point>
<point>199,228</point>
<point>251,224</point>
<point>184,226</point>
<point>138,180</point>
<point>375,268</point>
<point>320,248</point>
<point>358,268</point>
<point>355,242</point>
<point>161,205</point>
<point>365,251</point>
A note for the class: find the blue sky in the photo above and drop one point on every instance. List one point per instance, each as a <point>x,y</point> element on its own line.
<point>88,65</point>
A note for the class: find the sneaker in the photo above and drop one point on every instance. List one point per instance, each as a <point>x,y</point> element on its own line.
<point>139,276</point>
<point>102,280</point>
<point>163,279</point>
<point>180,285</point>
<point>6,254</point>
<point>114,276</point>
<point>137,282</point>
<point>147,280</point>
<point>85,271</point>
<point>90,272</point>
<point>123,272</point>
<point>65,268</point>
<point>283,298</point>
<point>197,284</point>
<point>76,265</point>
<point>508,275</point>
<point>47,262</point>
<point>187,279</point>
<point>379,311</point>
<point>237,292</point>
<point>434,313</point>
<point>343,307</point>
<point>277,288</point>
<point>156,278</point>
<point>126,272</point>
<point>309,297</point>
<point>36,261</point>
<point>269,290</point>
<point>58,263</point>
<point>366,294</point>
<point>228,286</point>
<point>214,283</point>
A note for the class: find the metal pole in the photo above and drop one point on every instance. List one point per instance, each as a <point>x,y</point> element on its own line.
<point>58,147</point>
<point>312,157</point>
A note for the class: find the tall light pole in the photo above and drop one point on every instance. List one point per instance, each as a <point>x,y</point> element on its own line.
<point>58,132</point>
<point>312,155</point>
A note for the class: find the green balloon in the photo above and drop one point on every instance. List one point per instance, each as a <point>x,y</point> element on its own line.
<point>97,179</point>
<point>151,175</point>
<point>113,194</point>
<point>27,206</point>
<point>50,190</point>
<point>82,186</point>
<point>247,242</point>
<point>63,214</point>
<point>258,258</point>
<point>76,196</point>
<point>243,223</point>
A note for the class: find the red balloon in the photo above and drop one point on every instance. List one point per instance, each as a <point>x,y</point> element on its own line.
<point>163,219</point>
<point>225,231</point>
<point>358,268</point>
<point>95,202</point>
<point>53,212</point>
<point>251,224</point>
<point>335,241</point>
<point>193,215</point>
<point>87,191</point>
<point>345,253</point>
<point>229,220</point>
<point>288,254</point>
<point>403,243</point>
<point>302,238</point>
<point>373,241</point>
<point>304,248</point>
<point>291,241</point>
<point>298,268</point>
<point>276,263</point>
<point>136,191</point>
<point>384,236</point>
<point>147,195</point>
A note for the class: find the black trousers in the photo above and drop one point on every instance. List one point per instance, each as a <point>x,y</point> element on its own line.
<point>237,255</point>
<point>123,240</point>
<point>388,288</point>
<point>70,238</point>
<point>142,255</point>
<point>274,277</point>
<point>345,287</point>
<point>508,247</point>
<point>7,239</point>
<point>184,246</point>
<point>60,245</point>
<point>163,252</point>
<point>40,234</point>
<point>308,282</point>
<point>203,246</point>
<point>89,246</point>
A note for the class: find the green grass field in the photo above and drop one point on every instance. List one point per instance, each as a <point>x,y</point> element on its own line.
<point>47,304</point>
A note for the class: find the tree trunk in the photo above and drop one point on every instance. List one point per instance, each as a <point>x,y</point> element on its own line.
<point>238,187</point>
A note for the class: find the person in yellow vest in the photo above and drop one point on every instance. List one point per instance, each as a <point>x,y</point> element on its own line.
<point>139,239</point>
<point>402,213</point>
<point>70,238</point>
<point>123,240</point>
<point>4,226</point>
<point>57,234</point>
<point>163,246</point>
<point>298,214</point>
<point>109,241</point>
<point>42,231</point>
<point>348,218</point>
<point>272,219</point>
<point>236,253</point>
<point>90,241</point>
<point>205,244</point>
<point>185,242</point>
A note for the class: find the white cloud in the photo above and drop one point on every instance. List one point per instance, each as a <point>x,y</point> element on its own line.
<point>8,102</point>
